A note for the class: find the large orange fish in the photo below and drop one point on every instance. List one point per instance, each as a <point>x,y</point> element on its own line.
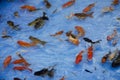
<point>90,53</point>
<point>80,30</point>
<point>89,7</point>
<point>7,61</point>
<point>21,68</point>
<point>28,7</point>
<point>25,44</point>
<point>68,4</point>
<point>79,57</point>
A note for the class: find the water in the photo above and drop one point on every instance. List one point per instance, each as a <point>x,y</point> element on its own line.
<point>58,52</point>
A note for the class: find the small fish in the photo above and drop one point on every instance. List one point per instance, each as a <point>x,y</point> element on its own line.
<point>39,22</point>
<point>47,4</point>
<point>63,78</point>
<point>18,61</point>
<point>81,15</point>
<point>23,59</point>
<point>80,30</point>
<point>115,2</point>
<point>16,14</point>
<point>113,54</point>
<point>21,68</point>
<point>90,52</point>
<point>79,57</point>
<point>118,18</point>
<point>90,41</point>
<point>25,44</point>
<point>88,71</point>
<point>88,8</point>
<point>114,42</point>
<point>58,33</point>
<point>68,4</point>
<point>7,61</point>
<point>28,7</point>
<point>17,78</point>
<point>37,41</point>
<point>6,36</point>
<point>42,72</point>
<point>110,37</point>
<point>13,26</point>
<point>107,9</point>
<point>72,38</point>
<point>105,57</point>
<point>116,62</point>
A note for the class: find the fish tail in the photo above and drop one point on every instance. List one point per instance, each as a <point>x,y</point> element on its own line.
<point>91,14</point>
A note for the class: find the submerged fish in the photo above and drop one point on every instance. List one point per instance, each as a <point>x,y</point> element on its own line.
<point>88,71</point>
<point>58,33</point>
<point>21,68</point>
<point>63,78</point>
<point>115,2</point>
<point>90,41</point>
<point>68,4</point>
<point>47,3</point>
<point>7,61</point>
<point>90,52</point>
<point>28,7</point>
<point>79,57</point>
<point>105,57</point>
<point>16,14</point>
<point>80,30</point>
<point>112,36</point>
<point>39,22</point>
<point>37,41</point>
<point>6,36</point>
<point>116,62</point>
<point>88,8</point>
<point>107,9</point>
<point>17,78</point>
<point>13,26</point>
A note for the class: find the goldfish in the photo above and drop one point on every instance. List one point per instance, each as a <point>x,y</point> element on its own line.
<point>81,15</point>
<point>58,33</point>
<point>115,2</point>
<point>39,22</point>
<point>90,52</point>
<point>107,9</point>
<point>80,30</point>
<point>88,8</point>
<point>72,38</point>
<point>68,4</point>
<point>113,54</point>
<point>13,26</point>
<point>79,57</point>
<point>21,68</point>
<point>18,61</point>
<point>105,57</point>
<point>25,44</point>
<point>21,60</point>
<point>37,41</point>
<point>110,37</point>
<point>7,61</point>
<point>47,4</point>
<point>28,7</point>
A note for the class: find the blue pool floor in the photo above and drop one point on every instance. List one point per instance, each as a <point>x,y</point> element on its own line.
<point>61,53</point>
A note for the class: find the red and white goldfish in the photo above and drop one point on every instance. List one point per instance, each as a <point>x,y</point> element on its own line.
<point>110,37</point>
<point>88,8</point>
<point>7,61</point>
<point>68,4</point>
<point>25,44</point>
<point>79,57</point>
<point>107,9</point>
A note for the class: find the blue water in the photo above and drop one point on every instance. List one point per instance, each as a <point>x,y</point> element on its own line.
<point>58,52</point>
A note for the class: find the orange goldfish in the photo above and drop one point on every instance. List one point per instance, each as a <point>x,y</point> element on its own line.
<point>18,61</point>
<point>7,61</point>
<point>29,8</point>
<point>68,4</point>
<point>21,68</point>
<point>25,44</point>
<point>89,7</point>
<point>90,53</point>
<point>58,33</point>
<point>80,30</point>
<point>115,2</point>
<point>79,57</point>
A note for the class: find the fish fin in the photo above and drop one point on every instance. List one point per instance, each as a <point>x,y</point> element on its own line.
<point>91,14</point>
